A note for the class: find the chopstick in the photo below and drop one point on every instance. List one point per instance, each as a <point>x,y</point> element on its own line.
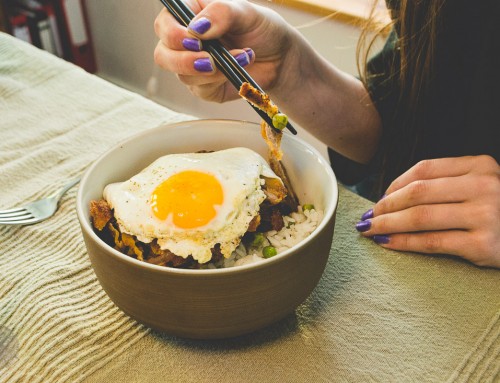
<point>226,63</point>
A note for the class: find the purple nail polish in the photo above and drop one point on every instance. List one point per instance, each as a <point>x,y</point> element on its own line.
<point>249,53</point>
<point>363,226</point>
<point>203,65</point>
<point>367,215</point>
<point>191,44</point>
<point>381,239</point>
<point>242,59</point>
<point>200,26</point>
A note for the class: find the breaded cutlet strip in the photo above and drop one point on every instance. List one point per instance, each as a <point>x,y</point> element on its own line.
<point>100,212</point>
<point>290,202</point>
<point>271,136</point>
<point>258,99</point>
<point>273,140</point>
<point>274,190</point>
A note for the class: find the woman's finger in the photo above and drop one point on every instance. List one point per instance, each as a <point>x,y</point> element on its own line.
<point>184,62</point>
<point>168,30</point>
<point>215,92</point>
<point>422,218</point>
<point>427,191</point>
<point>460,243</point>
<point>219,17</point>
<point>190,79</point>
<point>430,169</point>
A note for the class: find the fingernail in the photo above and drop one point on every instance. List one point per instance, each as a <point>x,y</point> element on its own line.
<point>383,196</point>
<point>203,65</point>
<point>363,226</point>
<point>191,44</point>
<point>250,53</point>
<point>200,26</point>
<point>367,215</point>
<point>242,59</point>
<point>381,239</point>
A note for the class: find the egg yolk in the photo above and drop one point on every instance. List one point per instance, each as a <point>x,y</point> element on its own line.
<point>190,196</point>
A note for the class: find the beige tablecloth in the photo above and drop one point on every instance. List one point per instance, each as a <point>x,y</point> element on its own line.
<point>376,315</point>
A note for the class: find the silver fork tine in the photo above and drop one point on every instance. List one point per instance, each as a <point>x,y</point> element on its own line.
<point>13,214</point>
<point>28,215</point>
<point>21,222</point>
<point>35,211</point>
<point>11,210</point>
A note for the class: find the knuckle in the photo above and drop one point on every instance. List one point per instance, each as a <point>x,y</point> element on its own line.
<point>488,183</point>
<point>219,7</point>
<point>404,241</point>
<point>432,242</point>
<point>487,161</point>
<point>161,24</point>
<point>420,216</point>
<point>416,189</point>
<point>381,207</point>
<point>484,242</point>
<point>394,185</point>
<point>157,26</point>
<point>424,167</point>
<point>157,55</point>
<point>487,216</point>
<point>386,205</point>
<point>382,224</point>
<point>206,92</point>
<point>163,59</point>
<point>186,81</point>
<point>224,7</point>
<point>195,90</point>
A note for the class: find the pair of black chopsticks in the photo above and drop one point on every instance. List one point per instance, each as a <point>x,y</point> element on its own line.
<point>226,63</point>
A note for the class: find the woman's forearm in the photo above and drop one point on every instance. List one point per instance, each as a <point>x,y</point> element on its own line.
<point>332,105</point>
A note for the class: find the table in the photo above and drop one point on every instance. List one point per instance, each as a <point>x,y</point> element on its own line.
<point>376,315</point>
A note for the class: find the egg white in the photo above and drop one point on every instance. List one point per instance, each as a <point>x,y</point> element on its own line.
<point>239,172</point>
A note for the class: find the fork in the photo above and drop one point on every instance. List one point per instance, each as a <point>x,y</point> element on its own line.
<point>35,211</point>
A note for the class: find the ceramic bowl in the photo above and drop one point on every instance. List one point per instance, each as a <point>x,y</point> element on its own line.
<point>217,303</point>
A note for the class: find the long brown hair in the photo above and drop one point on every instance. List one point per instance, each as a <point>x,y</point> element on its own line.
<point>416,24</point>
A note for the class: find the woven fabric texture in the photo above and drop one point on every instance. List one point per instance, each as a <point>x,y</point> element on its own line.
<point>376,315</point>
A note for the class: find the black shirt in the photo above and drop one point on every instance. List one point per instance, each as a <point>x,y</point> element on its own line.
<point>462,114</point>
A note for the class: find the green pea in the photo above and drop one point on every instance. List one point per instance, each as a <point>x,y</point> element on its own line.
<point>280,120</point>
<point>258,239</point>
<point>269,251</point>
<point>308,206</point>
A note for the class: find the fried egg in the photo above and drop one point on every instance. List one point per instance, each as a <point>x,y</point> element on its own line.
<point>191,202</point>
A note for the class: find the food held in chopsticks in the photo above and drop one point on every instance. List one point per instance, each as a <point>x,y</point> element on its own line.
<point>226,63</point>
<point>271,134</point>
<point>202,210</point>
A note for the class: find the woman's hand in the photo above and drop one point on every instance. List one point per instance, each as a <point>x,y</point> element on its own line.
<point>253,34</point>
<point>446,206</point>
<point>305,86</point>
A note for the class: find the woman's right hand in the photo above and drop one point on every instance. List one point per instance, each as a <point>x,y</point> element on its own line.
<point>332,105</point>
<point>260,39</point>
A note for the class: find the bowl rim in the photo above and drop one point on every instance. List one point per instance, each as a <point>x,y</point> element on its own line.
<point>87,227</point>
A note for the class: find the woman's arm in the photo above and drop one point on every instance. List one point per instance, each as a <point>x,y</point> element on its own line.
<point>332,105</point>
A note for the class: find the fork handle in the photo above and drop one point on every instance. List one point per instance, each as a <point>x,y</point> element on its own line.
<point>58,194</point>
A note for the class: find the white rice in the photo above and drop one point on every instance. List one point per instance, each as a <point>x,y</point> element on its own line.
<point>298,226</point>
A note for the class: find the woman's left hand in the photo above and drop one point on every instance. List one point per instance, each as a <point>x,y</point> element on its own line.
<point>442,206</point>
